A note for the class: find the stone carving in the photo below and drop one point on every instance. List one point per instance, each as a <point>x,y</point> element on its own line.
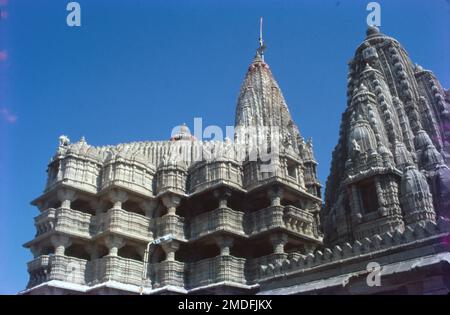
<point>390,145</point>
<point>64,141</point>
<point>237,227</point>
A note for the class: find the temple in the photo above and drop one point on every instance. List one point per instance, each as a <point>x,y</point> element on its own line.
<point>246,216</point>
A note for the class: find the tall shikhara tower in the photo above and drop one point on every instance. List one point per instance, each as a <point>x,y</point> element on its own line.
<point>387,200</point>
<point>390,167</point>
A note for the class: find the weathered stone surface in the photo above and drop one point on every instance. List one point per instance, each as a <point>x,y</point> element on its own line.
<point>237,227</point>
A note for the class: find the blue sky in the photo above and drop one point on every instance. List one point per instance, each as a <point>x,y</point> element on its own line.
<point>135,69</point>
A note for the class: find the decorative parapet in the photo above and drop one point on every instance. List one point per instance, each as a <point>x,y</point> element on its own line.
<point>131,175</point>
<point>203,175</point>
<point>126,223</point>
<point>56,267</point>
<point>167,273</point>
<point>222,219</point>
<point>74,171</point>
<point>68,221</point>
<point>215,270</point>
<point>171,178</point>
<point>255,271</point>
<point>287,170</point>
<point>300,222</point>
<point>84,225</point>
<point>289,218</point>
<point>115,268</point>
<point>367,246</point>
<point>38,269</point>
<point>265,219</point>
<point>45,221</point>
<point>171,224</point>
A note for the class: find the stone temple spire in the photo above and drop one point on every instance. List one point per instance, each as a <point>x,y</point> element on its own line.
<point>261,106</point>
<point>394,146</point>
<point>261,102</point>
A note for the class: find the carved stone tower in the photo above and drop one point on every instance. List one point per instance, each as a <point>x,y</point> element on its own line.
<point>390,167</point>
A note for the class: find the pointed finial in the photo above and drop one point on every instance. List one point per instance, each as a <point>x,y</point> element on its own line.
<point>262,46</point>
<point>64,141</point>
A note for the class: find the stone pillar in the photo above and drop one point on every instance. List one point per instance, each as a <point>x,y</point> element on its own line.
<point>66,196</point>
<point>117,197</point>
<point>356,209</point>
<point>275,195</point>
<point>224,243</point>
<point>114,243</point>
<point>380,195</point>
<point>60,243</point>
<point>170,249</point>
<point>149,207</point>
<point>99,207</point>
<point>92,250</point>
<point>278,242</point>
<point>171,202</point>
<point>223,196</point>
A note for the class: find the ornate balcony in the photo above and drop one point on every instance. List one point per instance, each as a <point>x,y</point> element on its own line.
<point>218,269</point>
<point>131,175</point>
<point>264,220</point>
<point>75,171</point>
<point>125,223</point>
<point>115,268</point>
<point>222,219</point>
<point>300,222</point>
<point>171,224</point>
<point>207,174</point>
<point>167,273</point>
<point>288,218</point>
<point>68,221</point>
<point>45,221</point>
<point>55,267</point>
<point>38,270</point>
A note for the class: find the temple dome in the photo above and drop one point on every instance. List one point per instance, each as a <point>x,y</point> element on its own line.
<point>422,140</point>
<point>183,134</point>
<point>364,137</point>
<point>413,181</point>
<point>431,158</point>
<point>402,155</point>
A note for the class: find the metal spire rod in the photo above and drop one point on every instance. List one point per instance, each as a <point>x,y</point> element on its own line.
<point>261,42</point>
<point>262,47</point>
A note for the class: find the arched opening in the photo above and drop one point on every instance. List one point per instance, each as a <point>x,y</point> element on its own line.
<point>369,198</point>
<point>291,169</point>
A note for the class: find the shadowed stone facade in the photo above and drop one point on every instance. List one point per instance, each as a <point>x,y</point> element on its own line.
<point>239,227</point>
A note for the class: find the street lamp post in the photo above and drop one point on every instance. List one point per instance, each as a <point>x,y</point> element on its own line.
<point>161,240</point>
